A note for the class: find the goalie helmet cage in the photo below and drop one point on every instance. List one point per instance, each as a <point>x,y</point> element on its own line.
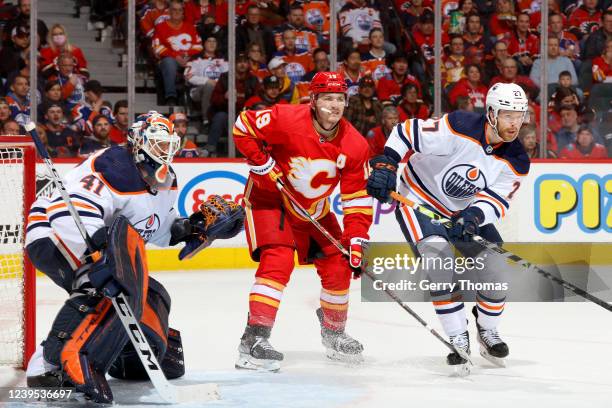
<point>17,274</point>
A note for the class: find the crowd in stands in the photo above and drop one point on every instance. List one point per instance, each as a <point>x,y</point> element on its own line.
<point>385,53</point>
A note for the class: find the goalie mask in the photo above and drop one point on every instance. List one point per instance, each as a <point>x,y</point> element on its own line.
<point>154,144</point>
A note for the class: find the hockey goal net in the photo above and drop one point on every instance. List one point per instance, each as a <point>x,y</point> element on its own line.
<point>17,275</point>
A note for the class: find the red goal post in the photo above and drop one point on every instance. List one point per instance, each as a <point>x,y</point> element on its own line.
<point>17,274</point>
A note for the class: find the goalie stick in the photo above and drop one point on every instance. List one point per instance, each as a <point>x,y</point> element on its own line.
<point>169,393</point>
<point>503,252</point>
<point>390,293</point>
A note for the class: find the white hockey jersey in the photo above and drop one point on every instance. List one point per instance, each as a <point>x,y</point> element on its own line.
<point>452,165</point>
<point>104,186</point>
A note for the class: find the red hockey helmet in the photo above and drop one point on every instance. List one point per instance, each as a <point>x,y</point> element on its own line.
<point>327,82</point>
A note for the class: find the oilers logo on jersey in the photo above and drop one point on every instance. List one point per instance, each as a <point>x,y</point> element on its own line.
<point>463,181</point>
<point>147,226</point>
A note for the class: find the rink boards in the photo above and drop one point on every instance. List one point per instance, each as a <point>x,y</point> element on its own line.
<point>557,202</point>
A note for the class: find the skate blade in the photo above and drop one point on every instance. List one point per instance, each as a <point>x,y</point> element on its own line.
<point>248,362</point>
<point>461,370</point>
<point>352,359</point>
<point>497,361</point>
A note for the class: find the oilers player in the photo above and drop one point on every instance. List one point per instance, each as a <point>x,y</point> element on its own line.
<point>136,181</point>
<point>311,148</point>
<point>466,167</point>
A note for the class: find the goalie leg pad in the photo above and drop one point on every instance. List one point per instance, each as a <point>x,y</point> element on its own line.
<point>163,340</point>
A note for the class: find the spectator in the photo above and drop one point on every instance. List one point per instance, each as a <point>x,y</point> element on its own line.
<point>556,64</point>
<point>568,43</point>
<point>410,106</point>
<point>357,19</point>
<point>569,126</point>
<point>510,76</point>
<point>523,46</point>
<point>252,31</point>
<point>352,71</point>
<point>12,128</point>
<point>23,19</point>
<point>257,63</point>
<point>288,90</point>
<point>596,43</point>
<point>471,87</point>
<point>456,19</point>
<point>494,66</point>
<point>475,40</point>
<point>602,65</point>
<point>100,139</point>
<point>202,75</point>
<point>465,104</point>
<point>58,44</point>
<point>72,83</point>
<point>298,62</point>
<point>565,81</point>
<point>19,99</point>
<point>188,148</point>
<point>13,56</point>
<point>53,94</point>
<point>363,110</point>
<point>585,18</point>
<point>154,13</point>
<point>268,96</point>
<point>389,87</point>
<point>374,61</point>
<point>503,20</point>
<point>84,113</point>
<point>377,137</point>
<point>5,111</point>
<point>562,96</point>
<point>305,39</point>
<point>175,41</point>
<point>62,141</point>
<point>413,11</point>
<point>246,86</point>
<point>316,17</point>
<point>453,62</point>
<point>119,129</point>
<point>528,138</point>
<point>584,147</point>
<point>321,64</point>
<point>423,34</point>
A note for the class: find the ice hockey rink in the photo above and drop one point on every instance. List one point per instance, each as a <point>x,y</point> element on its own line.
<point>559,352</point>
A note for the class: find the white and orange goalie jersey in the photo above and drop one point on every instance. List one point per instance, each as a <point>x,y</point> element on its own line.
<point>452,165</point>
<point>312,166</point>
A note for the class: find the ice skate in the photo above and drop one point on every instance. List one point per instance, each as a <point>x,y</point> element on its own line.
<point>460,365</point>
<point>338,345</point>
<point>492,348</point>
<point>256,352</point>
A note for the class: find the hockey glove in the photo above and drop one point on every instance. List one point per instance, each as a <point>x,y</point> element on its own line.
<point>357,249</point>
<point>217,219</point>
<point>383,179</point>
<point>102,277</point>
<point>466,223</point>
<point>265,176</point>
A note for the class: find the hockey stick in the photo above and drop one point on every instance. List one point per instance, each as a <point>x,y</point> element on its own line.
<point>503,252</point>
<point>390,293</point>
<point>168,392</point>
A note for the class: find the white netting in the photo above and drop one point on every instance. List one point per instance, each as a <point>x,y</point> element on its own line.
<point>11,256</point>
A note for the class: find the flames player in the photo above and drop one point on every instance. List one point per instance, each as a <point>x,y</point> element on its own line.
<point>311,148</point>
<point>467,167</point>
<point>87,340</point>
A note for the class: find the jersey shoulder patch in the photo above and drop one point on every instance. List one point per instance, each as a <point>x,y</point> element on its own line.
<point>118,170</point>
<point>469,124</point>
<point>514,154</point>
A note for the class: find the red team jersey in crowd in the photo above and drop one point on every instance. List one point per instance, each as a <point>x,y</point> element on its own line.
<point>477,94</point>
<point>312,167</point>
<point>152,17</point>
<point>518,47</point>
<point>602,71</point>
<point>48,59</point>
<point>172,42</point>
<point>388,89</point>
<point>584,21</point>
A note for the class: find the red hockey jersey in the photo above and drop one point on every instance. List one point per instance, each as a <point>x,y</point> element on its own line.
<point>313,166</point>
<point>172,42</point>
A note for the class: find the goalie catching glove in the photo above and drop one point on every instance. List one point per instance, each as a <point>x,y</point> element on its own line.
<point>217,219</point>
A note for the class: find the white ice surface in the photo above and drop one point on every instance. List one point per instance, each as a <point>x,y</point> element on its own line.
<point>559,353</point>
